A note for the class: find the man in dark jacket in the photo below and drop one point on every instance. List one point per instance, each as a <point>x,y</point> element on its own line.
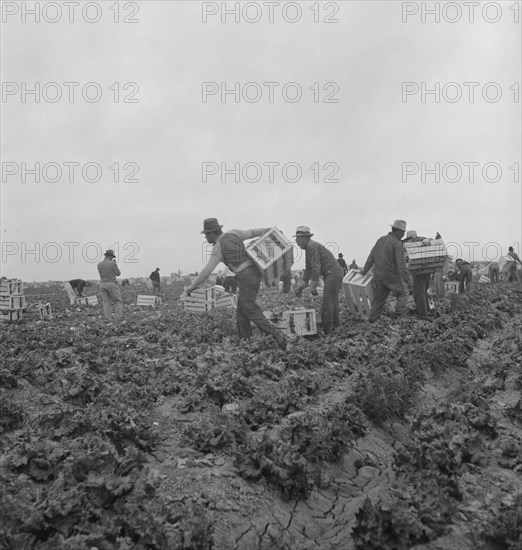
<point>319,261</point>
<point>342,262</point>
<point>465,275</point>
<point>156,281</point>
<point>513,268</point>
<point>390,273</point>
<point>229,249</point>
<point>354,265</point>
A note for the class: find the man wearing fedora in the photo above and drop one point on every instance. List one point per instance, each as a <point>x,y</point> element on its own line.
<point>319,261</point>
<point>390,273</point>
<point>110,292</point>
<point>230,249</point>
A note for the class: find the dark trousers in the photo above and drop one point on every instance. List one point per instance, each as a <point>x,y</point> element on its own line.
<point>382,289</point>
<point>513,277</point>
<point>493,273</point>
<point>465,277</point>
<point>248,311</point>
<point>330,306</point>
<point>421,284</point>
<point>230,284</point>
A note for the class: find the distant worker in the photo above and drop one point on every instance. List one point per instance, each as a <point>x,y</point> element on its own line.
<point>421,282</point>
<point>230,249</point>
<point>110,292</point>
<point>513,268</point>
<point>465,275</point>
<point>342,262</point>
<point>78,285</point>
<point>493,272</point>
<point>390,273</point>
<point>229,280</point>
<point>286,279</point>
<point>319,261</point>
<point>354,265</point>
<point>156,281</point>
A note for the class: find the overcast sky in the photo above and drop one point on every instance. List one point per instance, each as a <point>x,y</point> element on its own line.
<point>362,119</point>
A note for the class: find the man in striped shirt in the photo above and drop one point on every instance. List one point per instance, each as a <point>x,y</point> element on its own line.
<point>230,249</point>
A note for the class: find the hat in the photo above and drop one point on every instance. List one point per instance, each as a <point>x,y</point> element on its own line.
<point>110,253</point>
<point>399,224</point>
<point>303,231</point>
<point>340,254</point>
<point>210,225</point>
<point>412,234</point>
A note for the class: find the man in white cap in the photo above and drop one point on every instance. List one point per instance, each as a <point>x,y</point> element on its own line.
<point>229,249</point>
<point>319,261</point>
<point>390,273</point>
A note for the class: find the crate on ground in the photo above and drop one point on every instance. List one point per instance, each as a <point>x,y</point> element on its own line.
<point>359,291</point>
<point>10,287</point>
<point>228,301</point>
<point>299,322</point>
<point>88,300</point>
<point>38,310</point>
<point>273,254</point>
<point>12,301</point>
<point>426,256</point>
<point>451,287</point>
<point>206,294</point>
<point>196,306</point>
<point>484,279</point>
<point>14,315</point>
<point>148,300</point>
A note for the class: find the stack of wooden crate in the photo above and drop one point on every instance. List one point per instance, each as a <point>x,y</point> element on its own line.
<point>12,300</point>
<point>273,254</point>
<point>426,256</point>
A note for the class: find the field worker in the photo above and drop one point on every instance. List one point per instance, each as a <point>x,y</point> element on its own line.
<point>390,273</point>
<point>109,289</point>
<point>342,262</point>
<point>230,249</point>
<point>421,282</point>
<point>493,272</point>
<point>465,275</point>
<point>354,265</point>
<point>513,268</point>
<point>156,281</point>
<point>319,261</point>
<point>78,285</point>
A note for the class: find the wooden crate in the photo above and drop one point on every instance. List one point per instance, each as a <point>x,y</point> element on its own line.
<point>273,255</point>
<point>299,322</point>
<point>197,306</point>
<point>14,315</point>
<point>226,302</point>
<point>148,300</point>
<point>11,302</point>
<point>88,300</point>
<point>206,294</point>
<point>426,257</point>
<point>359,291</point>
<point>11,286</point>
<point>451,287</point>
<point>484,279</point>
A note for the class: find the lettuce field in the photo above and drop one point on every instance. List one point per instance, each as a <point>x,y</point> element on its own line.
<point>166,432</point>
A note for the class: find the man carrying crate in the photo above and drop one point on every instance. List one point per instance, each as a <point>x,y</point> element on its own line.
<point>230,249</point>
<point>390,273</point>
<point>319,261</point>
